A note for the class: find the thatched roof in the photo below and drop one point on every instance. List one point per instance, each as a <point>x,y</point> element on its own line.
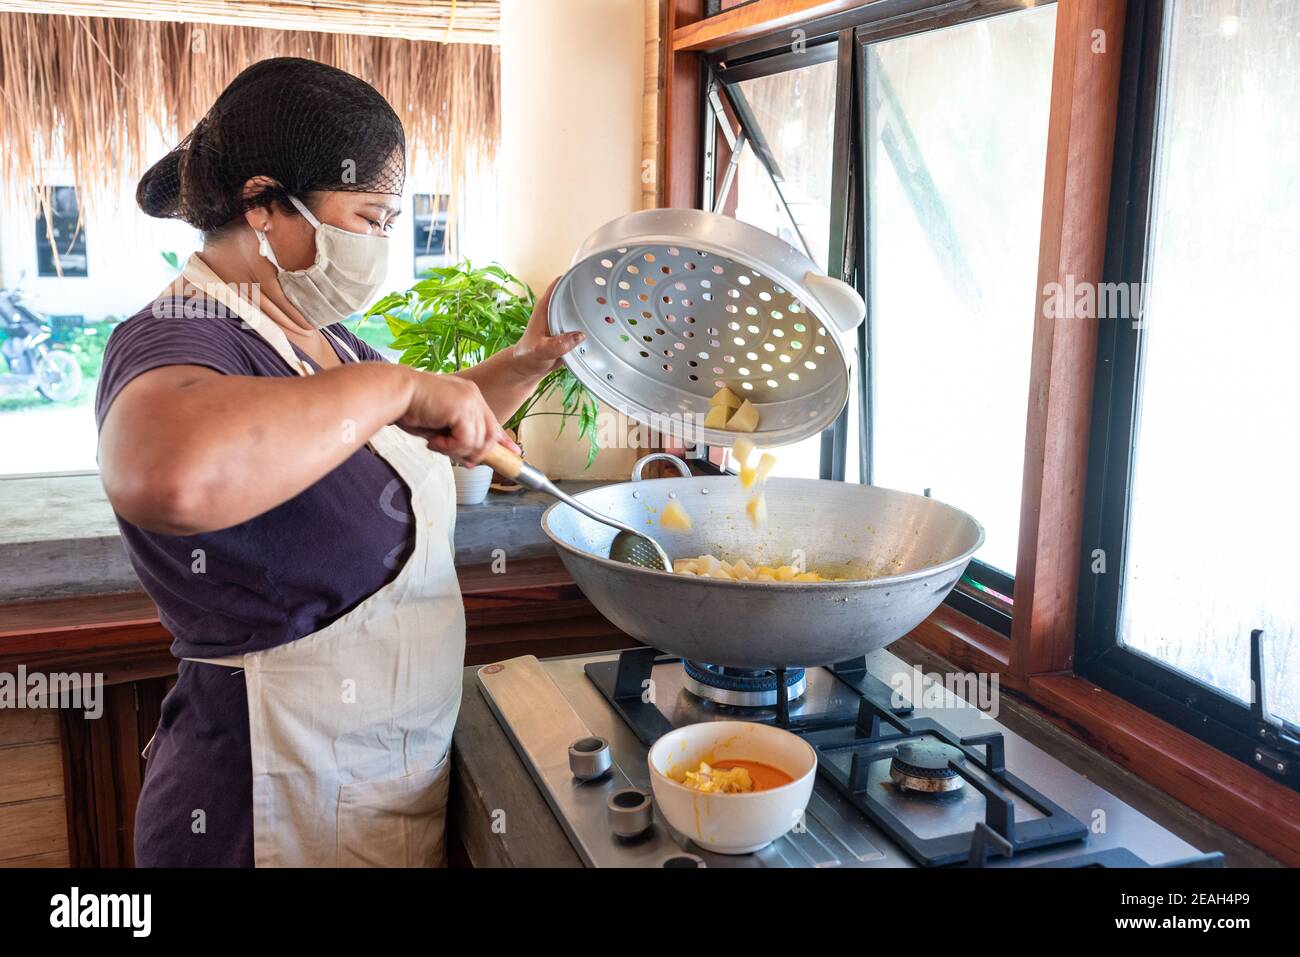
<point>86,90</point>
<point>446,21</point>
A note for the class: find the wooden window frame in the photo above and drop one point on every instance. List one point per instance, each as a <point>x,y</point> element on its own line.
<point>1037,661</point>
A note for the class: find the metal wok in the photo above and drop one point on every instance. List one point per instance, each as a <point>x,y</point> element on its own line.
<point>904,553</point>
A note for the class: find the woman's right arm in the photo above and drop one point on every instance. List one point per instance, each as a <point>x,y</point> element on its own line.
<point>185,449</point>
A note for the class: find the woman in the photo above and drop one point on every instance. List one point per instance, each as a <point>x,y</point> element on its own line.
<point>285,494</point>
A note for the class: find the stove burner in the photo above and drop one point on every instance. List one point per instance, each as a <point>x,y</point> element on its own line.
<point>923,766</point>
<point>739,687</point>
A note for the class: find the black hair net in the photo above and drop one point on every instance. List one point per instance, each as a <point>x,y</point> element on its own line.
<point>303,124</point>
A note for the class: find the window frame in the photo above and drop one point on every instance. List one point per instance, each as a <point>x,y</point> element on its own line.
<point>1182,700</point>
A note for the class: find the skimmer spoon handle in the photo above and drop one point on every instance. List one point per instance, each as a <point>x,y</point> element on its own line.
<point>629,546</point>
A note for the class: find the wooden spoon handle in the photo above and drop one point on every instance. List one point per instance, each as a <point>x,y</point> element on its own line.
<point>504,461</point>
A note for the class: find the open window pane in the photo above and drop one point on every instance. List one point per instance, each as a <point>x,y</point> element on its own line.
<point>1213,524</point>
<point>794,118</point>
<point>954,195</point>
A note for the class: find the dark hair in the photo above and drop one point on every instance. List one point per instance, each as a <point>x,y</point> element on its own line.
<point>305,125</point>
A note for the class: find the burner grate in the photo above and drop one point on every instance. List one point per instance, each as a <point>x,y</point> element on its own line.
<point>999,833</point>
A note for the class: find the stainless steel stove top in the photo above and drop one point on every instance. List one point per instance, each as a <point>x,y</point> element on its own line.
<point>545,705</point>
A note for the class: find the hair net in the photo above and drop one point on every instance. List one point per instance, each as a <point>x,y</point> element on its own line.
<point>302,124</point>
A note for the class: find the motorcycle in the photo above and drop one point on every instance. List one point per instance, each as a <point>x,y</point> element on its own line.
<point>33,362</point>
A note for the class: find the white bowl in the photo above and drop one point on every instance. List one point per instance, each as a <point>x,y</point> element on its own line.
<point>731,823</point>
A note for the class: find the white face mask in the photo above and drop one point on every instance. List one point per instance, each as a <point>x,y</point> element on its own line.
<point>348,271</point>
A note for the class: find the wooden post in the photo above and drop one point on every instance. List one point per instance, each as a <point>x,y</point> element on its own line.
<point>1072,248</point>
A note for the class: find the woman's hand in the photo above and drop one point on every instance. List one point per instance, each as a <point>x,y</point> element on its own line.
<point>452,415</point>
<point>538,352</point>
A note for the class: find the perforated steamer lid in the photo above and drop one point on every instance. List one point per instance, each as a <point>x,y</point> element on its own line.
<point>677,303</point>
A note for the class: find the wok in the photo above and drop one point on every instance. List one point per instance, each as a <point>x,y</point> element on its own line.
<point>905,552</point>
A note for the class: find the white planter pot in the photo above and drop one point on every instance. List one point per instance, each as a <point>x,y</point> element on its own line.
<point>471,484</point>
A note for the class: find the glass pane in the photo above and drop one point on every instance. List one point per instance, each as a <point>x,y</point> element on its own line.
<point>955,189</point>
<point>795,115</point>
<point>1213,524</point>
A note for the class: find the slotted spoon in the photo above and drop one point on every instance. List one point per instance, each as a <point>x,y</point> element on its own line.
<point>630,546</point>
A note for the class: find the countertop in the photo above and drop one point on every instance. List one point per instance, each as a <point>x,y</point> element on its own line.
<point>60,538</point>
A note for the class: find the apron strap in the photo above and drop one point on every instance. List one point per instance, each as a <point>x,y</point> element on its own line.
<point>201,276</point>
<point>342,344</point>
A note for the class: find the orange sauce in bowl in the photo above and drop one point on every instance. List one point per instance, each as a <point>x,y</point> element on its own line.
<point>764,776</point>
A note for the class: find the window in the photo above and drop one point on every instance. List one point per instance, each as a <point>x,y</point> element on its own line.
<point>1191,515</point>
<point>954,198</point>
<point>937,215</point>
<point>781,181</point>
<point>430,218</point>
<point>60,239</point>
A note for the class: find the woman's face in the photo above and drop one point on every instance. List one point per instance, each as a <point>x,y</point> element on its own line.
<point>294,238</point>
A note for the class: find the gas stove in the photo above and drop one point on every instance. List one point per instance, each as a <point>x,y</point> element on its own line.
<point>898,785</point>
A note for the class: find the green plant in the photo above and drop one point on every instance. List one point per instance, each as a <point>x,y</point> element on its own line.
<point>456,316</point>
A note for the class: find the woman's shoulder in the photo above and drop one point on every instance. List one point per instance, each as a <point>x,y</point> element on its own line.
<point>165,317</point>
<point>179,328</point>
<point>179,331</point>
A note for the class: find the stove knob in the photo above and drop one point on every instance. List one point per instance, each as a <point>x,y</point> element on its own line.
<point>589,758</point>
<point>631,811</point>
<point>683,859</point>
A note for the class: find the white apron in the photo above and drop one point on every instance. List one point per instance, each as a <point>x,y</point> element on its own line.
<point>351,725</point>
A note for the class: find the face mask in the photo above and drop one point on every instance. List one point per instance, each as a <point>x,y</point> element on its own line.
<point>348,271</point>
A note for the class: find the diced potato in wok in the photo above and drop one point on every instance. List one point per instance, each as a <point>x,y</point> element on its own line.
<point>674,517</point>
<point>709,566</point>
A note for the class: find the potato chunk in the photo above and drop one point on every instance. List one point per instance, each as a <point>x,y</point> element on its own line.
<point>765,466</point>
<point>757,509</point>
<point>726,398</point>
<point>717,417</point>
<point>748,477</point>
<point>742,450</point>
<point>674,517</point>
<point>745,418</point>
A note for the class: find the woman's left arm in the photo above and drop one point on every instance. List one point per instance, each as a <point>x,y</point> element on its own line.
<point>509,377</point>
